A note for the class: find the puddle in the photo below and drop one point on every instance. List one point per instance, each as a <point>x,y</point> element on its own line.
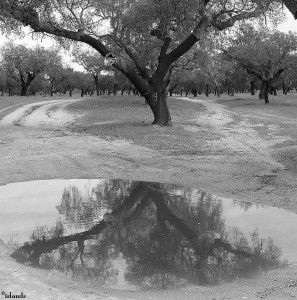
<point>142,236</point>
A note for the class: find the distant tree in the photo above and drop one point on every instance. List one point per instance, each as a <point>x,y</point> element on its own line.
<point>83,82</point>
<point>144,38</point>
<point>36,85</point>
<point>264,54</point>
<point>107,82</point>
<point>66,81</point>
<point>217,69</point>
<point>92,62</point>
<point>122,82</point>
<point>2,82</point>
<point>24,64</point>
<point>289,79</point>
<point>53,74</point>
<point>12,87</point>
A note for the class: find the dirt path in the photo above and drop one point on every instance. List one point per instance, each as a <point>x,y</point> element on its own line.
<point>44,113</point>
<point>240,137</point>
<point>35,143</point>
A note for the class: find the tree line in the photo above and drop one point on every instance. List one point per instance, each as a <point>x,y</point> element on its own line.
<point>141,39</point>
<point>247,60</point>
<point>26,71</point>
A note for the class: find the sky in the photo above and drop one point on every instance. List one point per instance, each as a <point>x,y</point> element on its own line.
<point>289,25</point>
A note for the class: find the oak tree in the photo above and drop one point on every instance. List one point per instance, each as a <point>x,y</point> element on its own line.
<point>264,54</point>
<point>25,64</point>
<point>92,62</point>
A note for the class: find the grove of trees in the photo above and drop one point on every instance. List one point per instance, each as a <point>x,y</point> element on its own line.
<point>26,71</point>
<point>142,39</point>
<point>148,44</point>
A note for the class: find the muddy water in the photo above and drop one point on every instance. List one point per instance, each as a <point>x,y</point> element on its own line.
<point>141,235</point>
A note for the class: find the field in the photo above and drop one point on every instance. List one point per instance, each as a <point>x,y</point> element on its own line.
<point>236,147</point>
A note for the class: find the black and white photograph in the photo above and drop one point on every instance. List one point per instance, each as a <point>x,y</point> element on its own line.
<point>148,149</point>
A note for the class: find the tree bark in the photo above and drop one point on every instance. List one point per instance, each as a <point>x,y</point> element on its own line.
<point>207,90</point>
<point>96,78</point>
<point>284,88</point>
<point>158,105</point>
<point>217,91</point>
<point>25,83</point>
<point>253,86</point>
<point>195,92</point>
<point>264,93</point>
<point>24,89</point>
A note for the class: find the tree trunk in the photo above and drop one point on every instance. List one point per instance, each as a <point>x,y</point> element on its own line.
<point>264,92</point>
<point>82,93</point>
<point>115,90</point>
<point>158,104</point>
<point>172,89</point>
<point>24,89</point>
<point>218,91</point>
<point>231,91</point>
<point>96,78</point>
<point>284,88</point>
<point>207,90</point>
<point>26,83</point>
<point>253,86</point>
<point>195,92</point>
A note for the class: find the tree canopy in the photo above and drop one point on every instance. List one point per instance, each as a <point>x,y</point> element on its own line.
<point>264,54</point>
<point>24,64</point>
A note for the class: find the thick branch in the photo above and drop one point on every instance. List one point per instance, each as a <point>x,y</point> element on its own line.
<point>45,27</point>
<point>222,25</point>
<point>189,42</point>
<point>165,46</point>
<point>130,50</point>
<point>292,7</point>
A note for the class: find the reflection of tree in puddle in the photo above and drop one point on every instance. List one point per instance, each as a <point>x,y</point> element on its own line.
<point>155,236</point>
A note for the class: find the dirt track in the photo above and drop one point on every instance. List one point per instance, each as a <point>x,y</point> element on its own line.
<point>36,143</point>
<point>243,163</point>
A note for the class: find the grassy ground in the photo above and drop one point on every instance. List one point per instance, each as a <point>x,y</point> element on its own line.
<point>6,101</point>
<point>129,118</point>
<point>280,113</point>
